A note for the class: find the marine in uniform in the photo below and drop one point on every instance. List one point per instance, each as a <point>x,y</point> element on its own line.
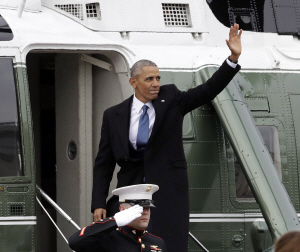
<point>126,230</point>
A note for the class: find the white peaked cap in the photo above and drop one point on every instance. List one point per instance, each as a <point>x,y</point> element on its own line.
<point>136,192</point>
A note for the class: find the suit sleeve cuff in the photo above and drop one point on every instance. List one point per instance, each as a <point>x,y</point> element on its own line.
<point>233,65</point>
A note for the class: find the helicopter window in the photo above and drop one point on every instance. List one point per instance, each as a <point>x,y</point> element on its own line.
<point>5,31</point>
<point>10,142</point>
<point>271,139</point>
<point>244,17</point>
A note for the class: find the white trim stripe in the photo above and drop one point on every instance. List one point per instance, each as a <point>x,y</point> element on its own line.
<point>223,215</point>
<point>227,220</point>
<point>234,217</point>
<point>18,218</point>
<point>270,71</point>
<point>15,223</point>
<point>188,70</point>
<point>82,231</point>
<point>192,70</point>
<point>20,65</point>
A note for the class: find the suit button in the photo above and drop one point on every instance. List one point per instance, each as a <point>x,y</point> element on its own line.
<point>143,245</point>
<point>126,159</point>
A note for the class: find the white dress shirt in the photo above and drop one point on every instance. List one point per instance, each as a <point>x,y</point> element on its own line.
<point>136,111</point>
<point>233,65</point>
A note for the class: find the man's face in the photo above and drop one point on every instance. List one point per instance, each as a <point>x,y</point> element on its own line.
<point>146,84</point>
<point>142,222</point>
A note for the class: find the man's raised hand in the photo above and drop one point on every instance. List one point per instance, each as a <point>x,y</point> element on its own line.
<point>128,215</point>
<point>234,42</point>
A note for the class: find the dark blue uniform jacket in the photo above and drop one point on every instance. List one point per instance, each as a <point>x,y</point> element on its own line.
<point>106,236</point>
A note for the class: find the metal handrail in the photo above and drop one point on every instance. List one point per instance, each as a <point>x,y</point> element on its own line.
<point>37,199</point>
<point>198,242</point>
<point>57,208</point>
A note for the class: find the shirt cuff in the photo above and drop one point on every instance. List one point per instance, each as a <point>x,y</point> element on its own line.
<point>233,65</point>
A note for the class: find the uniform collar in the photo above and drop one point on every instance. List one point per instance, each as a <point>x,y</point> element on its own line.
<point>134,232</point>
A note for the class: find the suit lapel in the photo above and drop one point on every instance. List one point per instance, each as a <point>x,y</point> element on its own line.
<point>123,115</point>
<point>160,105</point>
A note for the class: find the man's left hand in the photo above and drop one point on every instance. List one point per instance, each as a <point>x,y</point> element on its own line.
<point>234,42</point>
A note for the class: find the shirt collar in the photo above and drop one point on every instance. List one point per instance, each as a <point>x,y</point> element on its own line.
<point>137,104</point>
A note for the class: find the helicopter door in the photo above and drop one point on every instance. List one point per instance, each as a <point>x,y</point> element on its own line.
<point>83,90</point>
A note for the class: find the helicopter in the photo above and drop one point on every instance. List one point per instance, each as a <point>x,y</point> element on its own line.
<point>62,63</point>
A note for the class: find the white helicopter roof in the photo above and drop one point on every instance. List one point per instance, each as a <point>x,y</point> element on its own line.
<point>140,29</point>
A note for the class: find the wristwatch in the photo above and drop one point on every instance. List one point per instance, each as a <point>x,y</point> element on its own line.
<point>235,62</point>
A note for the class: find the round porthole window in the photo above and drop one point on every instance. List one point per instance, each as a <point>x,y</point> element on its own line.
<point>72,150</point>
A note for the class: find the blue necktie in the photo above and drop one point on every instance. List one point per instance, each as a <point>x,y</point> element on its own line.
<point>143,130</point>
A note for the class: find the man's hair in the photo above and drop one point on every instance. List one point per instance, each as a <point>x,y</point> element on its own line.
<point>136,69</point>
<point>289,242</point>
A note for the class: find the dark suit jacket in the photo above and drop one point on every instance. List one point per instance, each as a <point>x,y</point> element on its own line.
<point>164,160</point>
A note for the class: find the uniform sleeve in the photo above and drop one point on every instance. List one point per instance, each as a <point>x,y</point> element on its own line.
<point>89,238</point>
<point>104,168</point>
<point>206,92</point>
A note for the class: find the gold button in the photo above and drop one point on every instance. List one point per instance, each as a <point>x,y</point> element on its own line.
<point>110,218</point>
<point>133,231</point>
<point>117,228</point>
<point>143,246</point>
<point>140,240</point>
<point>101,220</point>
